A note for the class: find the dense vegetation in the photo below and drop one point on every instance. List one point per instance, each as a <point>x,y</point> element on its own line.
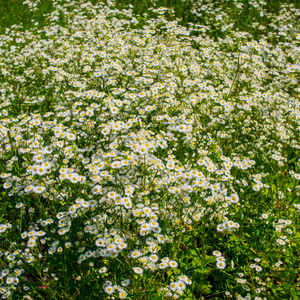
<point>150,151</point>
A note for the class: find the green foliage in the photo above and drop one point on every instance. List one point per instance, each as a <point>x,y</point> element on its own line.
<point>14,12</point>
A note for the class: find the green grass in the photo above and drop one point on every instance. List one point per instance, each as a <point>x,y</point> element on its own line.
<point>15,13</point>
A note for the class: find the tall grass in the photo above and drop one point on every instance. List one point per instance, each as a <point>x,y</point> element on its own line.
<point>14,12</point>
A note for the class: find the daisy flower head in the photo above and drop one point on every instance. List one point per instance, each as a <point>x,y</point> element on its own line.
<point>68,245</point>
<point>125,282</point>
<point>41,170</point>
<point>234,198</point>
<point>258,268</point>
<point>221,265</point>
<point>220,258</point>
<point>74,178</point>
<point>163,265</point>
<point>31,242</point>
<point>123,294</point>
<point>257,259</point>
<point>39,189</point>
<point>7,185</point>
<point>217,253</point>
<point>181,285</point>
<point>109,289</point>
<point>185,279</point>
<point>173,286</point>
<point>173,264</point>
<point>153,258</point>
<point>103,270</point>
<point>136,254</point>
<point>62,231</point>
<point>138,270</point>
<point>114,110</point>
<point>19,205</point>
<point>9,280</point>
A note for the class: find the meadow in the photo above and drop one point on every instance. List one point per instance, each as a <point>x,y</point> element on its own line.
<point>150,149</point>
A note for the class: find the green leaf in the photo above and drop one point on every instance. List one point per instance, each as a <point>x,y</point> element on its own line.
<point>294,293</point>
<point>202,270</point>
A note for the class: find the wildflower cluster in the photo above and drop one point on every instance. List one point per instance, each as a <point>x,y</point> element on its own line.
<point>122,148</point>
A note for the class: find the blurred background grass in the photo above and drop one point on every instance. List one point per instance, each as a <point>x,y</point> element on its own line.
<point>15,12</point>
